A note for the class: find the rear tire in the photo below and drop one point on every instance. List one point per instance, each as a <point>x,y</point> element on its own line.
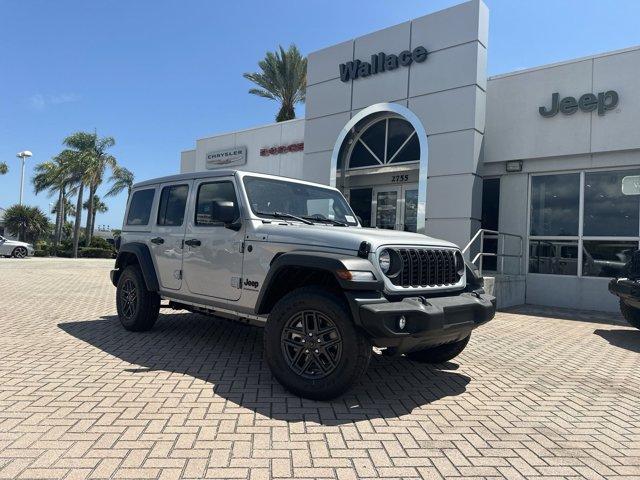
<point>138,308</point>
<point>630,314</point>
<point>312,345</point>
<point>19,252</point>
<point>441,353</point>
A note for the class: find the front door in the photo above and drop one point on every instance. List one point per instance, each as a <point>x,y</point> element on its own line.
<point>167,234</point>
<point>395,207</point>
<point>213,252</point>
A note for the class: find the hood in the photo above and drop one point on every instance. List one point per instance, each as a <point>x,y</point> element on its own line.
<point>345,238</point>
<point>15,243</point>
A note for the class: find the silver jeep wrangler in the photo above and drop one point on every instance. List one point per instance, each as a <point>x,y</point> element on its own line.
<point>291,256</point>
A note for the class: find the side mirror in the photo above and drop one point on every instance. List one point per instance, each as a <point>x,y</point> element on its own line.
<point>224,212</point>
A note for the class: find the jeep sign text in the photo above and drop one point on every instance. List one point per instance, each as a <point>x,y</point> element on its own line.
<point>587,103</point>
<point>381,63</point>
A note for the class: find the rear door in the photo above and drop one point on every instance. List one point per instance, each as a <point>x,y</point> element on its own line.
<point>167,234</point>
<point>213,252</point>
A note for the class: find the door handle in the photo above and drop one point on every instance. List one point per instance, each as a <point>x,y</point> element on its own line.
<point>157,240</point>
<point>194,242</point>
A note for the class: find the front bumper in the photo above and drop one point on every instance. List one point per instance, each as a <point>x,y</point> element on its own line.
<point>429,321</point>
<point>627,290</point>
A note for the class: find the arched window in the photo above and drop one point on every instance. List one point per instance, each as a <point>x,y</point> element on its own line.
<point>383,142</point>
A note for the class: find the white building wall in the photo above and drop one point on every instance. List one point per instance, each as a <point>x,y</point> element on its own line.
<point>287,164</point>
<point>446,92</point>
<point>515,130</point>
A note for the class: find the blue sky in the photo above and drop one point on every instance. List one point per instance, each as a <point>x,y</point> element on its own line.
<point>158,74</point>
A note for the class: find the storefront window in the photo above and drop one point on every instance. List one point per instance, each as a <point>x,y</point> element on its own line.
<point>610,230</point>
<point>606,258</point>
<point>385,141</point>
<point>555,201</point>
<point>607,212</point>
<point>554,257</point>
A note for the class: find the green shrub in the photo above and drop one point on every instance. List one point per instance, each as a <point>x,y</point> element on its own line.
<point>99,242</point>
<point>41,253</point>
<point>64,253</point>
<point>90,252</point>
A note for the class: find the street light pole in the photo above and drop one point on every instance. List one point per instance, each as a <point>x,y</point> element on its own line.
<point>23,156</point>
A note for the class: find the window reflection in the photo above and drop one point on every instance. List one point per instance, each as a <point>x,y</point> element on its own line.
<point>555,201</point>
<point>606,258</point>
<point>553,257</point>
<point>607,212</point>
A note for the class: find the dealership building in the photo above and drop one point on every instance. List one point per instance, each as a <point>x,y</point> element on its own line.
<point>406,123</point>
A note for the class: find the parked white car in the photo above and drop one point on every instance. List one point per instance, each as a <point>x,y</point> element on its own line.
<point>14,248</point>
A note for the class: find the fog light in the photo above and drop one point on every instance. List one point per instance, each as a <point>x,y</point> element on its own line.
<point>402,322</point>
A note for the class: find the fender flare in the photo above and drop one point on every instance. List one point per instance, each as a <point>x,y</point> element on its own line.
<point>329,262</point>
<point>143,255</point>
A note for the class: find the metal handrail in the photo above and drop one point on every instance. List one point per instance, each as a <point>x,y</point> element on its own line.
<point>500,237</point>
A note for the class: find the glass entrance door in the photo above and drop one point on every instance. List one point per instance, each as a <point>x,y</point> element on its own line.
<point>395,207</point>
<point>385,212</point>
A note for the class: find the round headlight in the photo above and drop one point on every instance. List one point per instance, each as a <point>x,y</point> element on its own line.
<point>384,260</point>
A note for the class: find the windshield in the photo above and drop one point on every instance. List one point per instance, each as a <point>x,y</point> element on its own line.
<point>279,198</point>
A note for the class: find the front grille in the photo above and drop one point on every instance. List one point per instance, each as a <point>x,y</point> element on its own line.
<point>421,267</point>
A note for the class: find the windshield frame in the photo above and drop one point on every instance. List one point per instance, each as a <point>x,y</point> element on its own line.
<point>268,216</point>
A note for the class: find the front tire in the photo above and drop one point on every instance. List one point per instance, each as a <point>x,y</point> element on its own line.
<point>630,314</point>
<point>312,345</point>
<point>19,252</point>
<point>138,308</point>
<point>441,353</point>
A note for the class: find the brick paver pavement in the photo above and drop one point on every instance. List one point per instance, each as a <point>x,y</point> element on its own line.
<point>531,396</point>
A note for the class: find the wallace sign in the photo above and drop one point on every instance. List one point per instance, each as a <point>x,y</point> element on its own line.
<point>381,63</point>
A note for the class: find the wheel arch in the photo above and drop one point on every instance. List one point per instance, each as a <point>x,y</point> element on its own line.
<point>290,271</point>
<point>137,253</point>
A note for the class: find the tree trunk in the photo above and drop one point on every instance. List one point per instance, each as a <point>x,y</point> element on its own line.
<point>93,223</point>
<point>56,237</point>
<point>76,227</point>
<point>88,231</point>
<point>63,214</point>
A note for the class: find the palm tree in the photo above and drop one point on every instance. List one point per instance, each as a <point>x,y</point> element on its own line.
<point>54,177</point>
<point>30,223</point>
<point>4,168</point>
<point>121,179</point>
<point>283,78</point>
<point>98,207</point>
<point>80,156</point>
<point>90,161</point>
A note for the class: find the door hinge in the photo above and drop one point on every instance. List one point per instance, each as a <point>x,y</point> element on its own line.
<point>240,246</point>
<point>236,282</point>
<point>178,274</point>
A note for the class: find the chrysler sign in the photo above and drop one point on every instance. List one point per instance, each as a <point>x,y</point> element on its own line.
<point>229,157</point>
<point>381,63</point>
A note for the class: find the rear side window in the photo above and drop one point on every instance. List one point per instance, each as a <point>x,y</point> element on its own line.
<point>140,207</point>
<point>212,192</point>
<point>173,201</point>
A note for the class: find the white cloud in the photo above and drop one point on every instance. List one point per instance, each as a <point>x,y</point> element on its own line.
<point>40,101</point>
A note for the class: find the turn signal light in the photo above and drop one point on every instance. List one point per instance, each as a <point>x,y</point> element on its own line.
<point>355,275</point>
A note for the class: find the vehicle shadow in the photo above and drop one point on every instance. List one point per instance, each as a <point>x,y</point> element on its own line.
<point>229,356</point>
<point>623,338</point>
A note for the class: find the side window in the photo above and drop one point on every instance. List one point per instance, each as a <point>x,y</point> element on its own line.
<point>173,201</point>
<point>140,207</point>
<point>210,194</point>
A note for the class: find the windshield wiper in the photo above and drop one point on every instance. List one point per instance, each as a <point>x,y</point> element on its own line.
<point>286,215</point>
<point>326,220</point>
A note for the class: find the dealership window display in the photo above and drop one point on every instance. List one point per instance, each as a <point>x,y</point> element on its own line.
<point>581,224</point>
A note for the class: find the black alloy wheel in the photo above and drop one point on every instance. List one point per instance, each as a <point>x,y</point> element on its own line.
<point>311,344</point>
